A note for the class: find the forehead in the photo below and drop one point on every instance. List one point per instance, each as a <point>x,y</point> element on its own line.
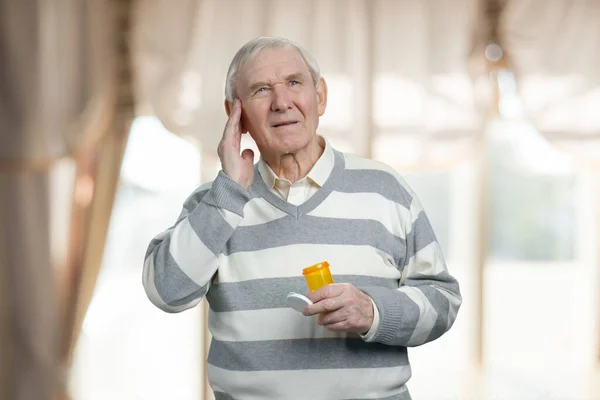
<point>270,65</point>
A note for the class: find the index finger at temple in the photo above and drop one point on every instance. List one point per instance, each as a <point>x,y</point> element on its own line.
<point>234,116</point>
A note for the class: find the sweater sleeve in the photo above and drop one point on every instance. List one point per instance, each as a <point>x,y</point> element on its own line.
<point>181,261</point>
<point>425,305</point>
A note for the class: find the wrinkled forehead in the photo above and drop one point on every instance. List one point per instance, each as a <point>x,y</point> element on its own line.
<point>272,65</point>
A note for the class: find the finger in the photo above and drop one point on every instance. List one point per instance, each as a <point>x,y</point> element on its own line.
<point>341,326</point>
<point>326,292</point>
<point>233,122</point>
<point>323,306</point>
<point>332,317</point>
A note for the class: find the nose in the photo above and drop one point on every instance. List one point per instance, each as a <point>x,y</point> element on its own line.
<point>281,99</point>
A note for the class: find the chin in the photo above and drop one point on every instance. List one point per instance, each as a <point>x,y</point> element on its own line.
<point>284,141</point>
<point>292,144</point>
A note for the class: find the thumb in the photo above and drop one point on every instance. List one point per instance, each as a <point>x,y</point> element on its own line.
<point>248,156</point>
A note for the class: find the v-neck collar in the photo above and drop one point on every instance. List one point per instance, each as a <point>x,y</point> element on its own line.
<point>259,189</point>
<point>318,174</point>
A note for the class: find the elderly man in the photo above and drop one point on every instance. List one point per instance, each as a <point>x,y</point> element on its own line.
<point>243,239</point>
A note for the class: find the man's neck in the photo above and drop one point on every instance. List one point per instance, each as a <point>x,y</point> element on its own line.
<point>295,166</point>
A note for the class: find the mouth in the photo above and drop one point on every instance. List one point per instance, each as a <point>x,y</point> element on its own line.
<point>285,123</point>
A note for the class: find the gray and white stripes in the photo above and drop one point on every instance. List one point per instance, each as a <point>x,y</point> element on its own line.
<point>245,251</point>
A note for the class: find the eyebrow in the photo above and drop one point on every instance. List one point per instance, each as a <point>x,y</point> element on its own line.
<point>298,76</point>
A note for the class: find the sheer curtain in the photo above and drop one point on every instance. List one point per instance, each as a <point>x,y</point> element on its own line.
<point>397,70</point>
<point>555,54</point>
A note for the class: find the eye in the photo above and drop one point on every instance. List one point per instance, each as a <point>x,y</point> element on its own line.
<point>294,83</point>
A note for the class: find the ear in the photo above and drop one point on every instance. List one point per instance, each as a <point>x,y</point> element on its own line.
<point>228,107</point>
<point>321,96</point>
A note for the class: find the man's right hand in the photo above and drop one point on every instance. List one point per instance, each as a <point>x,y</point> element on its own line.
<point>239,168</point>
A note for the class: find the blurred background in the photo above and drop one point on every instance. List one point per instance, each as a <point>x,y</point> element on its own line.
<point>110,114</point>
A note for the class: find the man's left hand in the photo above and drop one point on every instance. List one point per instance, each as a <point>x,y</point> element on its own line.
<point>341,307</point>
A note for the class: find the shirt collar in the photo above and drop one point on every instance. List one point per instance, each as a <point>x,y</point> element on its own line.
<point>318,174</point>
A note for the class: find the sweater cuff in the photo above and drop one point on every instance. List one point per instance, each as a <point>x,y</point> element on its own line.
<point>368,337</point>
<point>393,308</point>
<point>227,194</point>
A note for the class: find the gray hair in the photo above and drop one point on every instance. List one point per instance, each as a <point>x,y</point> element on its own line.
<point>257,46</point>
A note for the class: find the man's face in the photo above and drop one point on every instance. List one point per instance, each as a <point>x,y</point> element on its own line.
<point>280,104</point>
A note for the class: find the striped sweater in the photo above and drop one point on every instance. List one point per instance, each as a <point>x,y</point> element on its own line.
<point>245,249</point>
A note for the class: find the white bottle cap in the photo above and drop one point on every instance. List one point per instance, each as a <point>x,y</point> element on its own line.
<point>297,301</point>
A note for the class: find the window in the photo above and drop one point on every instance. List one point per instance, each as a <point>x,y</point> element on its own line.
<point>129,349</point>
<point>533,189</point>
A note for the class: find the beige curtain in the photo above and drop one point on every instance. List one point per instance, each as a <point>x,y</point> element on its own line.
<point>56,86</point>
<point>555,54</point>
<point>55,67</point>
<point>97,178</point>
<point>397,70</point>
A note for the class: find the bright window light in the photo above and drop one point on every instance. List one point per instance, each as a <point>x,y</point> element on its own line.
<point>398,102</point>
<point>339,103</point>
<point>156,159</point>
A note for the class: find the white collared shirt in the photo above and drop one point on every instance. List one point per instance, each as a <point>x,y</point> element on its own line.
<point>300,191</point>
